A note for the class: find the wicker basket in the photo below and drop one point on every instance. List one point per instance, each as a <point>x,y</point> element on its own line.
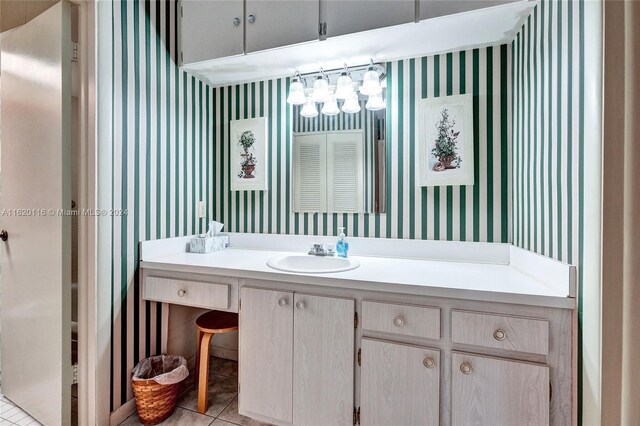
<point>155,402</point>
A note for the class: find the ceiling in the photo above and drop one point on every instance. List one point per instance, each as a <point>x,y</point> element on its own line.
<point>485,27</point>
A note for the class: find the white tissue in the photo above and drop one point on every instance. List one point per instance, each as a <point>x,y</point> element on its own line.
<point>214,229</point>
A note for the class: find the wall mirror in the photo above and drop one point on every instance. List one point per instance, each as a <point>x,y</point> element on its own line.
<point>339,162</point>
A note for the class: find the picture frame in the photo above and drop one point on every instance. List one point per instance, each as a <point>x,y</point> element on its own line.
<point>446,144</point>
<point>248,154</point>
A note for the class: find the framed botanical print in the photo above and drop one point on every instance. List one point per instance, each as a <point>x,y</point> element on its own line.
<point>446,141</point>
<point>248,148</point>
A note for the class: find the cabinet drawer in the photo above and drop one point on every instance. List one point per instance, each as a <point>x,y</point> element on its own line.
<point>408,320</point>
<point>500,331</point>
<point>185,292</point>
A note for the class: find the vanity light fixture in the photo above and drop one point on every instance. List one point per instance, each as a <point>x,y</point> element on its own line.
<point>351,104</point>
<point>296,91</point>
<point>321,92</point>
<point>371,82</point>
<point>309,110</point>
<point>331,106</point>
<point>375,103</point>
<point>344,85</point>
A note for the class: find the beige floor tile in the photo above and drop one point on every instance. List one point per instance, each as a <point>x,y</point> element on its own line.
<point>222,390</point>
<point>230,414</point>
<point>219,422</point>
<point>180,417</point>
<point>226,368</point>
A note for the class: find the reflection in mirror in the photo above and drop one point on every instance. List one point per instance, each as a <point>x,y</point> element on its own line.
<point>339,162</point>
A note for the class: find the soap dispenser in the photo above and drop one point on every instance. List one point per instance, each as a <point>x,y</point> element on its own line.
<point>342,247</point>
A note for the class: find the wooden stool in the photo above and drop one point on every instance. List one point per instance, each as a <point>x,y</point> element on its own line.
<point>208,324</point>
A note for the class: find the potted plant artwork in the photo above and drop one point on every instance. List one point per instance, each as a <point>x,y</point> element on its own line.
<point>445,148</point>
<point>248,159</point>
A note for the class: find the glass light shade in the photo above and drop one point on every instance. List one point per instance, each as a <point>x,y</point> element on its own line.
<point>320,90</point>
<point>309,110</point>
<point>344,87</point>
<point>330,107</point>
<point>351,105</point>
<point>296,93</point>
<point>370,83</point>
<point>375,103</point>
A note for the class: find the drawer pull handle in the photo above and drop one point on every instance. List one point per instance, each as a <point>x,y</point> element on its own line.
<point>429,362</point>
<point>398,321</point>
<point>465,367</point>
<point>283,302</point>
<point>300,305</point>
<point>182,292</point>
<point>499,335</point>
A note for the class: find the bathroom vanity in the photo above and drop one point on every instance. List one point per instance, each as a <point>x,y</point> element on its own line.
<point>422,332</point>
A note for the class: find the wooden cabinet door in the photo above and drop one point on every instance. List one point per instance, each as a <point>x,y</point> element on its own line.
<point>400,384</point>
<point>491,391</point>
<point>266,354</point>
<point>323,360</point>
<point>352,16</point>
<point>278,23</point>
<point>208,29</point>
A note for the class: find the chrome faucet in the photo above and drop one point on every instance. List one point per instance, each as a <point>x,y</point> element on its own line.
<point>321,250</point>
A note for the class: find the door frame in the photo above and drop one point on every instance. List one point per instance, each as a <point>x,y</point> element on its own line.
<point>93,293</point>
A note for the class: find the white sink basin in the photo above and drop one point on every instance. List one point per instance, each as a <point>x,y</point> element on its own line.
<point>307,264</point>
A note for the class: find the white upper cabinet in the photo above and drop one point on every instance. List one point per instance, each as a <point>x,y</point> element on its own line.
<point>210,29</point>
<point>352,16</point>
<point>280,23</point>
<point>435,8</point>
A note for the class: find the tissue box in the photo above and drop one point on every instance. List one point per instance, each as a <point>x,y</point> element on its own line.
<point>208,244</point>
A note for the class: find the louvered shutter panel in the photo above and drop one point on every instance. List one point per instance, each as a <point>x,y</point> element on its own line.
<point>309,167</point>
<point>345,172</point>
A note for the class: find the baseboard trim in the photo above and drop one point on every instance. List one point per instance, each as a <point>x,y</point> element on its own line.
<point>225,353</point>
<point>122,413</point>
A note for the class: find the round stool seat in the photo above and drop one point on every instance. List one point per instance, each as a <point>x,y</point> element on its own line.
<point>217,322</point>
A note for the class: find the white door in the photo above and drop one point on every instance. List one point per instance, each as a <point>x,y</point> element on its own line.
<point>500,392</point>
<point>210,29</point>
<point>266,353</point>
<point>36,183</point>
<point>400,384</point>
<point>323,360</point>
<point>352,16</point>
<point>278,23</point>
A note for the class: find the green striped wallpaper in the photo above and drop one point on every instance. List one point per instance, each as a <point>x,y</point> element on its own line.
<point>170,149</point>
<point>548,134</point>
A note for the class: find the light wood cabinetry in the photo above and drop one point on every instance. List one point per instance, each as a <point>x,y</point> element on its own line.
<point>352,16</point>
<point>407,320</point>
<point>491,391</point>
<point>323,347</point>
<point>400,384</point>
<point>435,8</point>
<point>266,354</point>
<point>296,357</point>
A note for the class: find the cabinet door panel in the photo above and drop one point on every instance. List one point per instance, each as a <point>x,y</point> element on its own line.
<point>397,386</point>
<point>207,29</point>
<point>323,361</point>
<point>281,23</point>
<point>435,8</point>
<point>498,392</point>
<point>352,16</point>
<point>266,353</point>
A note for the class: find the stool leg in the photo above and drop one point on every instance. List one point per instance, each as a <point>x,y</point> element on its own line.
<point>203,372</point>
<point>198,344</point>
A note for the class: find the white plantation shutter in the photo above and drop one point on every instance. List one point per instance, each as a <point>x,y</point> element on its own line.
<point>309,173</point>
<point>345,172</point>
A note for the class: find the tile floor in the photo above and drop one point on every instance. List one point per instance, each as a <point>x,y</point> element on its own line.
<point>223,401</point>
<point>11,414</point>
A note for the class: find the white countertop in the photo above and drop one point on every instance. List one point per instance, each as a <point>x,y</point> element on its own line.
<point>496,282</point>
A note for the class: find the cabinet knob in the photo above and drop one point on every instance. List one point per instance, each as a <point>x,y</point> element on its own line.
<point>283,302</point>
<point>465,367</point>
<point>236,21</point>
<point>251,19</point>
<point>182,292</point>
<point>499,335</point>
<point>300,305</point>
<point>429,362</point>
<point>398,321</point>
